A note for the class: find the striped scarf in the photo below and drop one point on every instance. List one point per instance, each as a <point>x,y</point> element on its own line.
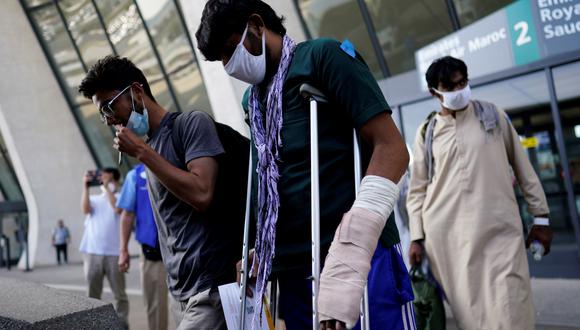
<point>267,139</point>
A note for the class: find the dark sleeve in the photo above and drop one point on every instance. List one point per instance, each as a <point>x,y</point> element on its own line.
<point>349,82</point>
<point>199,136</point>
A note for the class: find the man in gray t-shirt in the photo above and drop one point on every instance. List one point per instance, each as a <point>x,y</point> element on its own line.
<point>197,237</point>
<point>196,258</point>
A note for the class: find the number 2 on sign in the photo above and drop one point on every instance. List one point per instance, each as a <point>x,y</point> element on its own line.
<point>523,38</point>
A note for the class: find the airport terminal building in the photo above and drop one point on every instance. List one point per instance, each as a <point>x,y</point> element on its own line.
<point>522,55</point>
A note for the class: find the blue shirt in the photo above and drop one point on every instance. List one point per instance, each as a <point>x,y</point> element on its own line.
<point>60,235</point>
<point>135,198</point>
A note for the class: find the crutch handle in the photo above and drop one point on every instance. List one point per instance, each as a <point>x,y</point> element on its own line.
<point>308,91</point>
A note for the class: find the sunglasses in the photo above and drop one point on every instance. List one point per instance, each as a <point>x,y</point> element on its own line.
<point>106,111</point>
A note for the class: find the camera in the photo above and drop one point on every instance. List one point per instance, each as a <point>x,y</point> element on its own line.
<point>95,176</point>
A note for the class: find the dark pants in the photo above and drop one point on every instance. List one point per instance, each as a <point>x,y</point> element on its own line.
<point>61,248</point>
<point>390,294</point>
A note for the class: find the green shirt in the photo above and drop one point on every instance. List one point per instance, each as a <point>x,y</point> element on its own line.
<point>354,98</point>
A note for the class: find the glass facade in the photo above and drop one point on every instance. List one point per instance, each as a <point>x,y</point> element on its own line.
<point>13,211</point>
<point>175,52</point>
<point>76,33</point>
<point>567,80</point>
<point>469,11</point>
<point>397,28</point>
<point>402,27</point>
<point>340,20</point>
<point>9,187</point>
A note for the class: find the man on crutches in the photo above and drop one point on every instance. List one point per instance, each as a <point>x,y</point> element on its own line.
<point>250,40</point>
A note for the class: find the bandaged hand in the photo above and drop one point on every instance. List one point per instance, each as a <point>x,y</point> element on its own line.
<point>348,262</point>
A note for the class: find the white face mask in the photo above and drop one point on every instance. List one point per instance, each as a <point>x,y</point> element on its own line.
<point>456,100</point>
<point>245,66</point>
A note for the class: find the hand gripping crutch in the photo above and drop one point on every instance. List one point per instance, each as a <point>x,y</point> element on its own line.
<point>244,268</point>
<point>315,96</point>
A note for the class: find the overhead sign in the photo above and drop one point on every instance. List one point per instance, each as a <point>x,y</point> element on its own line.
<point>523,32</point>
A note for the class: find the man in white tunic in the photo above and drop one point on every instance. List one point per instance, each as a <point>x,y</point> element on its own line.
<point>463,212</point>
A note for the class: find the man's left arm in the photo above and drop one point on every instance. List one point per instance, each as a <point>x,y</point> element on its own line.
<point>201,145</point>
<point>389,154</point>
<point>529,184</point>
<point>350,84</point>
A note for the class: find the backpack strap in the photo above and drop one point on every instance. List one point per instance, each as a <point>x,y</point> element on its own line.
<point>429,147</point>
<point>488,114</point>
<point>427,134</point>
<point>174,125</point>
<point>426,123</point>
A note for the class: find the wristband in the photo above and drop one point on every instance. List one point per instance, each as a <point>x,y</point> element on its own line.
<point>541,221</point>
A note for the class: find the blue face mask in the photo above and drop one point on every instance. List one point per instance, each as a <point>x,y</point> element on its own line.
<point>138,123</point>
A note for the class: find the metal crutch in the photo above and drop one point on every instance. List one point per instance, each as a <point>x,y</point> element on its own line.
<point>315,96</point>
<point>244,270</point>
<point>273,299</point>
<point>364,308</point>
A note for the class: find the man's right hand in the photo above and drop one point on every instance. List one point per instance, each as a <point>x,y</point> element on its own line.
<point>252,278</point>
<point>87,178</point>
<point>124,261</point>
<point>416,253</point>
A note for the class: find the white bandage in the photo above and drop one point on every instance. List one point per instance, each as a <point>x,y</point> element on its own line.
<point>541,221</point>
<point>377,194</point>
<point>348,262</point>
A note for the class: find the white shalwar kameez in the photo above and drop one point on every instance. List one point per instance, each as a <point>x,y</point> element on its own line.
<point>469,219</point>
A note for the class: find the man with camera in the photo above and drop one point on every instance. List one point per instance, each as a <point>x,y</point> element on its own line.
<point>100,242</point>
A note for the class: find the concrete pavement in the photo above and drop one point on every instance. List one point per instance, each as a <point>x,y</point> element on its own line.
<point>70,278</point>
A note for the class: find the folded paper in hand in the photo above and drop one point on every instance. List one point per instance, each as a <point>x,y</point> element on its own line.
<point>230,297</point>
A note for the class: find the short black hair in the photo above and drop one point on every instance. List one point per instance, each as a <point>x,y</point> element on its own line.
<point>114,171</point>
<point>222,18</point>
<point>441,69</point>
<point>112,73</point>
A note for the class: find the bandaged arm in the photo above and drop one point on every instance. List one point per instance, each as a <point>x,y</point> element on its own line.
<point>349,258</point>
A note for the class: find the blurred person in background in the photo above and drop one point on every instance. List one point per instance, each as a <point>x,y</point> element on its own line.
<point>60,240</point>
<point>100,242</point>
<point>136,212</point>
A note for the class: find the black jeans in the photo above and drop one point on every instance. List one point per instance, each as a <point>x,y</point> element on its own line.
<point>61,248</point>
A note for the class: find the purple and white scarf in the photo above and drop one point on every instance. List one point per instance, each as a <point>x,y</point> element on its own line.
<point>267,139</point>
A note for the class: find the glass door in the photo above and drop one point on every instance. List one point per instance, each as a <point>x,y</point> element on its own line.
<point>536,129</point>
<point>567,82</point>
